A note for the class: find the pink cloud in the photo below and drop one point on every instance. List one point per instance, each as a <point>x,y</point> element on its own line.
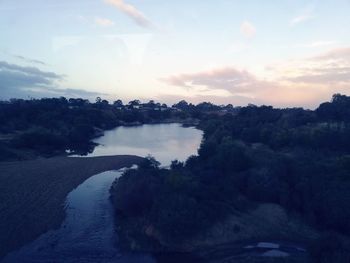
<point>301,82</point>
<point>104,22</point>
<point>227,78</point>
<point>332,67</point>
<point>335,54</point>
<point>131,11</point>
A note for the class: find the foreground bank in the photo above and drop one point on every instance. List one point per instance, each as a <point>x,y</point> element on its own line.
<point>32,193</point>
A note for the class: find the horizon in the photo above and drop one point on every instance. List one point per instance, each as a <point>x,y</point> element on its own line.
<point>126,103</point>
<point>285,54</point>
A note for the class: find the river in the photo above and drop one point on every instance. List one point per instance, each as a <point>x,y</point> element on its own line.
<point>87,233</point>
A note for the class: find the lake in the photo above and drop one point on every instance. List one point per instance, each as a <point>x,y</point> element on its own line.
<point>87,233</point>
<point>165,142</point>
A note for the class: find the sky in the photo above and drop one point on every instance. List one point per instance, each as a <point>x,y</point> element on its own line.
<point>285,53</point>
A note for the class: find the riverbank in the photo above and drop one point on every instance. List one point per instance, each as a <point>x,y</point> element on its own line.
<point>188,122</point>
<point>10,152</point>
<point>32,193</point>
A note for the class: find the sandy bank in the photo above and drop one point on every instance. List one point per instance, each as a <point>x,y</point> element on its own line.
<point>32,193</point>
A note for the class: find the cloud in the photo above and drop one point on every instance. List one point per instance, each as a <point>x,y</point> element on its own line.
<point>32,74</point>
<point>39,92</point>
<point>227,78</point>
<point>79,93</point>
<point>299,19</point>
<point>131,11</point>
<point>302,82</point>
<point>317,44</point>
<point>21,82</point>
<point>15,79</point>
<point>247,29</point>
<point>315,78</point>
<point>332,67</point>
<point>104,22</point>
<point>324,76</point>
<point>305,15</point>
<point>339,54</point>
<point>29,60</point>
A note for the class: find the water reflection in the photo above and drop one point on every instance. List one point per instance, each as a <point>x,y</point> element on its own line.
<point>165,142</point>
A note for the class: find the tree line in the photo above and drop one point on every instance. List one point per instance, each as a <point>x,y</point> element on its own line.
<point>52,126</point>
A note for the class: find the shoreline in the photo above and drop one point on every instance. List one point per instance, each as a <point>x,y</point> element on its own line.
<point>32,193</point>
<point>189,122</point>
<point>26,154</point>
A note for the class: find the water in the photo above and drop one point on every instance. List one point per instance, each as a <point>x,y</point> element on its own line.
<point>165,142</point>
<point>87,233</point>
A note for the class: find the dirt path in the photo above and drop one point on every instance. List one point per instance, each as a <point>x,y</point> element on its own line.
<point>32,193</point>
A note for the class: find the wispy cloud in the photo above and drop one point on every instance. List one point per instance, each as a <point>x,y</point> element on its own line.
<point>323,76</point>
<point>29,60</point>
<point>330,68</point>
<point>95,21</point>
<point>299,19</point>
<point>304,15</point>
<point>137,16</point>
<point>104,22</point>
<point>338,54</point>
<point>247,29</point>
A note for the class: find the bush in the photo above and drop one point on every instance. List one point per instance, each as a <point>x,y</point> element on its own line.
<point>330,248</point>
<point>134,193</point>
<point>41,139</point>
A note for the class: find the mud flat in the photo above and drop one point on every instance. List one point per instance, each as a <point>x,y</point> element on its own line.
<point>32,193</point>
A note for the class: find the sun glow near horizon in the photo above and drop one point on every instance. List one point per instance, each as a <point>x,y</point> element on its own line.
<point>291,53</point>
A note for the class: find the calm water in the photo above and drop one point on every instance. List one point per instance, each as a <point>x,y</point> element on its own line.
<point>165,142</point>
<point>87,234</point>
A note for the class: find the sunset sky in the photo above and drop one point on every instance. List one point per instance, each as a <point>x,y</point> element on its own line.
<point>278,52</point>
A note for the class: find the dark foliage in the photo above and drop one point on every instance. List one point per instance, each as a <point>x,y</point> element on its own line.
<point>53,125</point>
<point>330,248</point>
<point>293,157</point>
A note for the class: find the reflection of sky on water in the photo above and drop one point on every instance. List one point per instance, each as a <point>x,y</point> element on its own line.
<point>165,142</point>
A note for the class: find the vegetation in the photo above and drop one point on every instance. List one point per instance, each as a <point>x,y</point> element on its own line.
<point>56,125</point>
<point>299,159</point>
<point>296,158</point>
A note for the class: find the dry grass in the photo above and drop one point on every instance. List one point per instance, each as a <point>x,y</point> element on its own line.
<point>32,193</point>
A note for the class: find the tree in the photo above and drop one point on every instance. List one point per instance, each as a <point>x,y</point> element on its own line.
<point>182,105</point>
<point>118,103</point>
<point>134,102</point>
